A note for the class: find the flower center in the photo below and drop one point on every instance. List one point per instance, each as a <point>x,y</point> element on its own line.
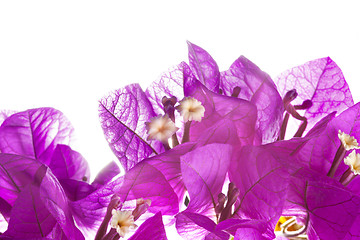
<point>191,109</point>
<point>348,141</point>
<point>161,128</point>
<point>288,227</point>
<point>122,221</point>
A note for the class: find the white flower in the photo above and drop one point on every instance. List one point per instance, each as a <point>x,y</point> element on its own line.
<point>122,221</point>
<point>161,128</point>
<point>191,109</point>
<point>348,141</point>
<point>353,161</point>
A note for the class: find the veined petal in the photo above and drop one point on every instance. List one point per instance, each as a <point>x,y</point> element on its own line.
<point>16,172</point>
<point>196,226</point>
<point>322,82</point>
<point>68,164</point>
<point>258,88</point>
<point>204,181</point>
<point>123,115</point>
<point>217,108</point>
<point>142,181</point>
<point>331,208</point>
<point>35,133</point>
<point>41,207</point>
<point>262,183</point>
<point>204,67</point>
<point>106,174</point>
<point>152,228</point>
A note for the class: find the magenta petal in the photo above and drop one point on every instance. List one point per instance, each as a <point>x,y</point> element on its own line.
<point>204,67</point>
<point>106,175</point>
<point>168,163</point>
<point>35,133</point>
<point>249,233</point>
<point>332,209</point>
<point>152,228</point>
<point>142,181</point>
<point>56,202</point>
<point>196,226</point>
<point>5,209</point>
<point>218,107</point>
<point>41,206</point>
<point>204,181</point>
<point>76,190</point>
<point>221,132</point>
<point>319,151</point>
<point>232,224</point>
<point>29,217</point>
<point>171,83</point>
<point>123,115</point>
<point>69,164</point>
<point>262,183</point>
<point>4,114</point>
<point>16,172</point>
<point>320,81</point>
<point>168,85</point>
<point>258,88</point>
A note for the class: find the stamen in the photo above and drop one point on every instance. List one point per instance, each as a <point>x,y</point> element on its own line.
<point>305,105</point>
<point>141,207</point>
<point>289,97</point>
<point>232,194</point>
<point>290,109</point>
<point>169,108</point>
<point>221,203</point>
<point>221,91</point>
<point>236,92</point>
<point>114,203</point>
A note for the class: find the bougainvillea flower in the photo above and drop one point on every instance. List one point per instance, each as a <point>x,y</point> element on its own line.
<point>142,181</point>
<point>249,206</point>
<point>41,209</point>
<point>31,139</point>
<point>323,191</point>
<point>320,81</point>
<point>128,117</point>
<point>35,133</point>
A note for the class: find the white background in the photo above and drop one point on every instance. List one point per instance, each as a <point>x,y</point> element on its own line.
<point>68,54</point>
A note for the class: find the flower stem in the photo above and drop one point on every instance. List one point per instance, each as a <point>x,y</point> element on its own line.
<point>115,200</point>
<point>186,135</point>
<point>301,129</point>
<point>175,140</point>
<point>347,177</point>
<point>339,156</point>
<point>283,126</point>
